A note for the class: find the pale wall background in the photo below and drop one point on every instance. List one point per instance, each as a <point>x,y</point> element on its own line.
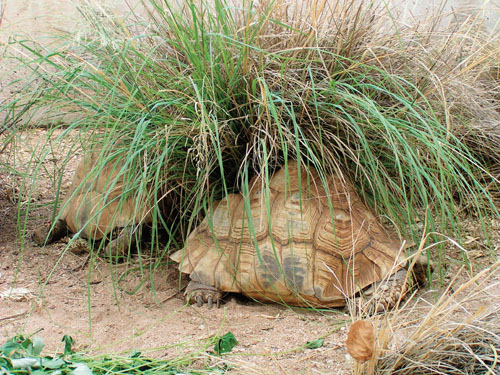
<point>417,10</point>
<point>37,18</point>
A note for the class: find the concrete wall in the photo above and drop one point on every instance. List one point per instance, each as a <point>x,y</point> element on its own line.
<point>418,10</point>
<point>37,17</point>
<point>42,17</point>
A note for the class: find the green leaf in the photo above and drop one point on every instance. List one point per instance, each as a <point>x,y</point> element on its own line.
<point>9,347</point>
<point>68,342</point>
<point>15,347</point>
<point>24,362</point>
<point>5,363</point>
<point>315,344</point>
<point>38,345</point>
<point>53,364</point>
<point>225,343</point>
<point>81,369</point>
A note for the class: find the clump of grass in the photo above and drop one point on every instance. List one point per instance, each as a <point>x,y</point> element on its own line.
<point>468,347</point>
<point>198,97</point>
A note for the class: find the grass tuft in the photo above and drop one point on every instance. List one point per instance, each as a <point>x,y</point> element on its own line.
<point>457,335</point>
<point>198,97</point>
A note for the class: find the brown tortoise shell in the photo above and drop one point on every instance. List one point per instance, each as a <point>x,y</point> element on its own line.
<point>304,249</point>
<point>94,204</point>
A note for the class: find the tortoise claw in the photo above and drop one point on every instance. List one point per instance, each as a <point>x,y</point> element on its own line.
<point>200,293</point>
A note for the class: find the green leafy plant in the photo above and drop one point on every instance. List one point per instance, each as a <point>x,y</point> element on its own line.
<point>315,344</point>
<point>22,355</point>
<point>225,344</point>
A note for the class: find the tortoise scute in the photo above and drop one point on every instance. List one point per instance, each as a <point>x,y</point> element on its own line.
<point>248,226</point>
<point>293,219</point>
<point>322,243</point>
<point>221,218</point>
<point>95,204</point>
<point>298,268</point>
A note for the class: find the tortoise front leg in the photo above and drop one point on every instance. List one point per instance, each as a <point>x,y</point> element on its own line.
<point>50,233</point>
<point>119,246</point>
<point>384,295</point>
<point>201,293</point>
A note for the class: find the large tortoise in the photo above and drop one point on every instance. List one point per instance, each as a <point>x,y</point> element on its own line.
<point>308,247</point>
<point>95,206</point>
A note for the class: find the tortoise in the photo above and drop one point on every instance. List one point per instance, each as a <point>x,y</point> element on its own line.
<point>314,244</point>
<point>94,207</point>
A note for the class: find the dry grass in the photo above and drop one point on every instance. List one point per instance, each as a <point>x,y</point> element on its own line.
<point>456,331</point>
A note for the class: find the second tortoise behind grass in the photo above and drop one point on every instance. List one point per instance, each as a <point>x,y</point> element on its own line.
<point>98,204</point>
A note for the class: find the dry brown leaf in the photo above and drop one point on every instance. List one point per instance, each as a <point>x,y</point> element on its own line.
<point>361,341</point>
